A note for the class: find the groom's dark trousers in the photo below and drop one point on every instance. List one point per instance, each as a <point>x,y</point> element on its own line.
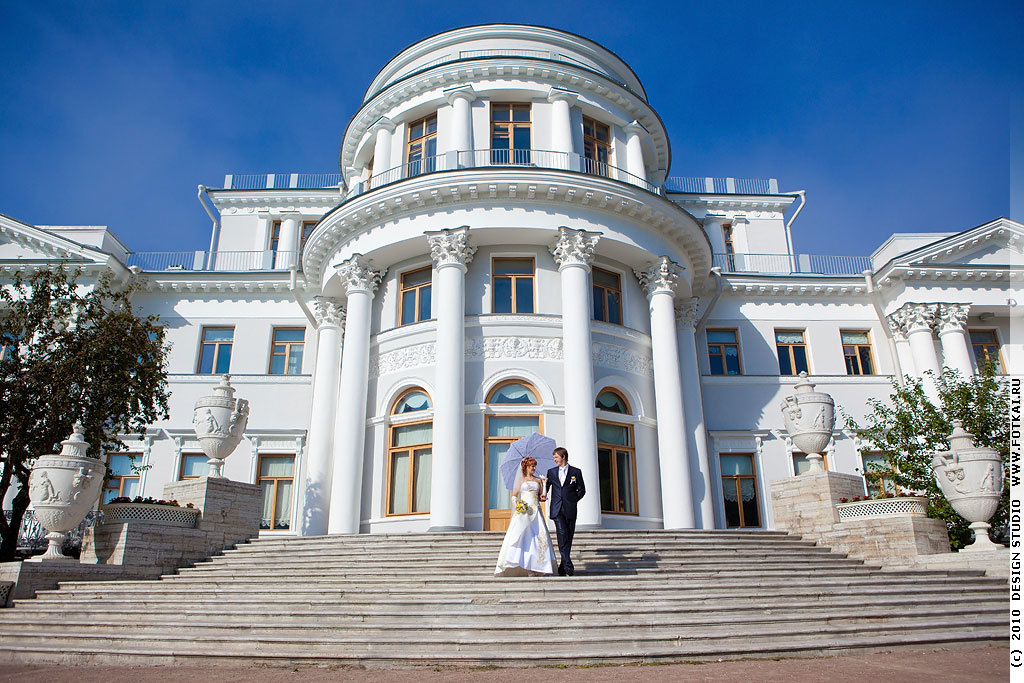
<point>563,510</point>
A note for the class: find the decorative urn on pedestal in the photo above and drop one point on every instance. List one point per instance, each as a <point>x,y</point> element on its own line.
<point>63,488</point>
<point>809,416</point>
<point>971,478</point>
<point>219,420</point>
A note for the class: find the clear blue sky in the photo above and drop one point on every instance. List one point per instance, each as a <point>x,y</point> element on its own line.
<point>894,116</point>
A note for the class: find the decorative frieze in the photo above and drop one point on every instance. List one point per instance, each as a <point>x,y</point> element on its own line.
<point>450,247</point>
<point>328,311</point>
<point>574,247</point>
<point>514,348</point>
<point>660,276</point>
<point>358,275</point>
<point>621,358</point>
<point>418,356</point>
<point>952,317</point>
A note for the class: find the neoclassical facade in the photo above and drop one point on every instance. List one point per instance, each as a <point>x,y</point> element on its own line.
<point>503,252</point>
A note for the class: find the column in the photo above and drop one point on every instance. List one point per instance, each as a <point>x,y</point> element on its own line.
<point>461,131</point>
<point>360,281</point>
<point>574,252</point>
<point>561,125</point>
<point>693,408</point>
<point>659,282</point>
<point>330,317</point>
<point>384,128</point>
<point>288,241</point>
<point>634,150</point>
<point>899,336</point>
<point>956,351</point>
<point>451,253</point>
<point>918,320</point>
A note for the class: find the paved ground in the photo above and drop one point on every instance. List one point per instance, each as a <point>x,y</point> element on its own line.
<point>947,666</point>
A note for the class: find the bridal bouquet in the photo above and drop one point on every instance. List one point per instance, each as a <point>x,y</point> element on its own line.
<point>522,508</point>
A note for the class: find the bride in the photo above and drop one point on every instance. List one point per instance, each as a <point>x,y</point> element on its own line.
<point>526,550</point>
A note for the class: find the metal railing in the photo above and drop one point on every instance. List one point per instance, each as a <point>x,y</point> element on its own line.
<point>273,181</point>
<point>32,535</point>
<point>152,261</point>
<point>709,185</point>
<point>787,264</point>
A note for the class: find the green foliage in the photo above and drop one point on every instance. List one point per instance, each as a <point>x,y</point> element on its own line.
<point>909,429</point>
<point>73,352</point>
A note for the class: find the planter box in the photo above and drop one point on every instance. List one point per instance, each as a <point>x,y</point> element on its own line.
<point>883,507</point>
<point>161,515</point>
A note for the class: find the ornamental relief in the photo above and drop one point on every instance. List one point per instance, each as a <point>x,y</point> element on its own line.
<point>621,358</point>
<point>501,348</point>
<point>402,359</point>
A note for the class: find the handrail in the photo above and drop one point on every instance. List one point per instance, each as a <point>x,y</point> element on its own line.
<point>789,264</point>
<point>227,261</point>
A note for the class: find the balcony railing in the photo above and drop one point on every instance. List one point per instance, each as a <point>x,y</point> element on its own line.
<point>722,185</point>
<point>32,535</point>
<point>788,264</point>
<point>229,261</point>
<point>276,181</point>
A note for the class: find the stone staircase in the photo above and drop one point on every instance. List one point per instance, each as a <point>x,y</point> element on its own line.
<point>406,600</point>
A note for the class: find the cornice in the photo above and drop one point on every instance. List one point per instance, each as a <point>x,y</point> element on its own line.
<point>213,282</point>
<point>236,380</point>
<point>794,285</point>
<point>972,274</point>
<point>732,202</point>
<point>252,201</point>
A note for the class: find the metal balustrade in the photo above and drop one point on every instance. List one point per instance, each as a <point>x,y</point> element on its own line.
<point>788,264</point>
<point>281,181</point>
<point>710,185</point>
<point>32,535</point>
<point>153,261</point>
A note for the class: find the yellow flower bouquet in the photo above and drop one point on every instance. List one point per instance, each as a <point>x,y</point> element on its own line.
<point>522,508</point>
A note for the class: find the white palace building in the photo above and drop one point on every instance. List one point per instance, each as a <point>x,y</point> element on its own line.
<point>503,252</point>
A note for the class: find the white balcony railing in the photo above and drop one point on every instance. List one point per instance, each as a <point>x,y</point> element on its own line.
<point>788,264</point>
<point>227,261</point>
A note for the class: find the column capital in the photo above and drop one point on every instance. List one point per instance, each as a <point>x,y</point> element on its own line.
<point>918,317</point>
<point>358,275</point>
<point>383,123</point>
<point>634,127</point>
<point>556,94</point>
<point>328,312</point>
<point>952,317</point>
<point>465,92</point>
<point>687,312</point>
<point>290,215</point>
<point>660,276</point>
<point>450,247</point>
<point>574,247</point>
<point>896,325</point>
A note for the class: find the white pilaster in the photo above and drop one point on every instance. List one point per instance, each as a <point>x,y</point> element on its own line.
<point>451,253</point>
<point>634,150</point>
<point>956,352</point>
<point>360,280</point>
<point>561,121</point>
<point>384,129</point>
<point>288,240</point>
<point>693,407</point>
<point>659,281</point>
<point>461,131</point>
<point>574,252</point>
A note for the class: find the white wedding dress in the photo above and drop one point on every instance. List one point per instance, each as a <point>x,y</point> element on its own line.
<point>526,550</point>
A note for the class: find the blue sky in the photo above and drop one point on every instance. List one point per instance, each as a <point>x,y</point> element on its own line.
<point>893,116</point>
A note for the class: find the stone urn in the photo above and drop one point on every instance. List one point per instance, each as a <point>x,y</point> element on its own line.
<point>63,488</point>
<point>971,478</point>
<point>809,416</point>
<point>219,420</point>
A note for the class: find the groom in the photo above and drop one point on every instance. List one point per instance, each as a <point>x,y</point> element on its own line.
<point>566,486</point>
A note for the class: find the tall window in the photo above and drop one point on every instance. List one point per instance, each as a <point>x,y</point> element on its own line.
<point>286,350</point>
<point>792,351</point>
<point>730,248</point>
<point>986,349</point>
<point>510,133</point>
<point>409,457</point>
<point>505,425</point>
<point>857,352</point>
<point>874,482</point>
<point>276,477</point>
<point>739,490</point>
<point>307,230</point>
<point>275,236</point>
<point>122,480</point>
<point>422,149</point>
<point>724,352</point>
<point>596,146</point>
<point>215,351</point>
<point>607,296</point>
<point>616,457</point>
<point>193,466</point>
<point>414,302</point>
<point>512,284</point>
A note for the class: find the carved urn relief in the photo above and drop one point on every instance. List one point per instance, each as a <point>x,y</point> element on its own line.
<point>809,416</point>
<point>219,420</point>
<point>63,488</point>
<point>971,478</point>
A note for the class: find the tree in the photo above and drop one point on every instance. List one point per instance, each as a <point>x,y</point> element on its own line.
<point>909,429</point>
<point>71,352</point>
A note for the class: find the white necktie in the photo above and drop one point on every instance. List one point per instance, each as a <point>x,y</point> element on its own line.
<point>561,475</point>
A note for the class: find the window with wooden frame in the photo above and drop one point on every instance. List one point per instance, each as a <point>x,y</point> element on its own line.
<point>792,351</point>
<point>739,490</point>
<point>512,285</point>
<point>510,133</point>
<point>607,296</point>
<point>410,447</point>
<point>985,345</point>
<point>857,352</point>
<point>286,347</point>
<point>276,478</point>
<point>421,151</point>
<point>874,482</point>
<point>616,457</point>
<point>414,298</point>
<point>724,352</point>
<point>307,229</point>
<point>123,480</point>
<point>801,464</point>
<point>730,248</point>
<point>215,351</point>
<point>275,236</point>
<point>518,404</point>
<point>193,466</point>
<point>596,146</point>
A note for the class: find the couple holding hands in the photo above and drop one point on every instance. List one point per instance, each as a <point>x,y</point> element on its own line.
<point>526,550</point>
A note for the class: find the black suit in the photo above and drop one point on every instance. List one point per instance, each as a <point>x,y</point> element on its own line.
<point>563,509</point>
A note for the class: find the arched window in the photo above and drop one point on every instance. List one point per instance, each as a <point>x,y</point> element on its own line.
<point>513,392</point>
<point>616,456</point>
<point>515,416</point>
<point>410,445</point>
<point>613,402</point>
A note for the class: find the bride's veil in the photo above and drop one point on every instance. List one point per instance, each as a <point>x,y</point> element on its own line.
<point>518,485</point>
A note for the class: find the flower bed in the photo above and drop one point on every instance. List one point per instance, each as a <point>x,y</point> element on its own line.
<point>164,513</point>
<point>883,507</point>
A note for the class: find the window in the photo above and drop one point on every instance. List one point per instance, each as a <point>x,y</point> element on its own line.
<point>286,350</point>
<point>307,230</point>
<point>739,490</point>
<point>510,133</point>
<point>193,466</point>
<point>607,296</point>
<point>215,351</point>
<point>275,236</point>
<point>612,401</point>
<point>422,148</point>
<point>792,351</point>
<point>986,349</point>
<point>801,464</point>
<point>276,474</point>
<point>730,249</point>
<point>857,352</point>
<point>874,482</point>
<point>724,352</point>
<point>501,430</point>
<point>596,146</point>
<point>409,457</point>
<point>122,480</point>
<point>616,457</point>
<point>512,285</point>
<point>414,302</point>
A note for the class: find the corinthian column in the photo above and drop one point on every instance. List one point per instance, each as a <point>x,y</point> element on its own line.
<point>330,318</point>
<point>360,281</point>
<point>693,408</point>
<point>918,320</point>
<point>952,324</point>
<point>451,253</point>
<point>659,282</point>
<point>574,252</point>
<point>897,326</point>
